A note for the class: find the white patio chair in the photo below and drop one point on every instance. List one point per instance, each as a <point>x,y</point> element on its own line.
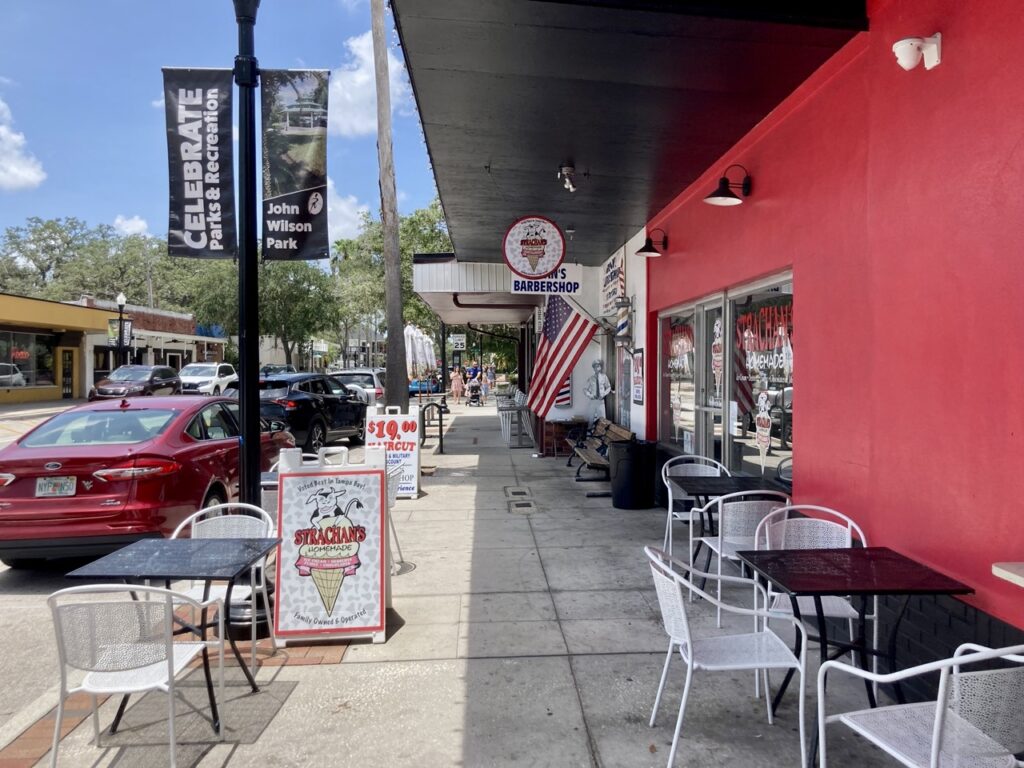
<point>760,650</point>
<point>685,466</point>
<point>807,526</point>
<point>739,515</point>
<point>234,520</point>
<point>122,638</point>
<point>977,720</point>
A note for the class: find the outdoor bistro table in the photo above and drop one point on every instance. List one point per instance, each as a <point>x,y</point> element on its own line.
<point>705,488</point>
<point>174,559</point>
<point>861,572</point>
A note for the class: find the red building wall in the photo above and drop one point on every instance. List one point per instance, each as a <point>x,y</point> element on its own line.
<point>897,198</point>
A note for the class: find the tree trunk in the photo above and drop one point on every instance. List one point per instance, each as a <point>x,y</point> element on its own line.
<point>397,391</point>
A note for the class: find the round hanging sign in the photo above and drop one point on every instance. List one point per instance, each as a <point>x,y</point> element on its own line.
<point>534,247</point>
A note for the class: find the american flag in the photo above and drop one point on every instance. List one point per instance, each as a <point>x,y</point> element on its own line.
<point>564,336</point>
<point>564,397</point>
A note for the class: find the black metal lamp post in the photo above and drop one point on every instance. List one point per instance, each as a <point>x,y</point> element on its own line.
<point>247,78</point>
<point>121,301</point>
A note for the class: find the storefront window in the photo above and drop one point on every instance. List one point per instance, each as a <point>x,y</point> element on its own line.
<point>26,359</point>
<point>677,391</point>
<point>761,400</point>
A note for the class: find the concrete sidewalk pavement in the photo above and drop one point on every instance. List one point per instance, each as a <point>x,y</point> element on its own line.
<point>520,636</point>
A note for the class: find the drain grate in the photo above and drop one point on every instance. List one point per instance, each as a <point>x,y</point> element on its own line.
<point>522,507</point>
<point>517,492</point>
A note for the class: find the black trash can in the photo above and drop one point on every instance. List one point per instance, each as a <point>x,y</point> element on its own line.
<point>633,473</point>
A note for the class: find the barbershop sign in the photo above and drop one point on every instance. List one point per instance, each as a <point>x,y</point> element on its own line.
<point>565,279</point>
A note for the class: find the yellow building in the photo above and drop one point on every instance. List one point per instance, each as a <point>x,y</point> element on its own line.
<point>43,348</point>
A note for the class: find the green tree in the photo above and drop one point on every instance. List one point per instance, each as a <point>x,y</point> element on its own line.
<point>359,266</point>
<point>34,255</point>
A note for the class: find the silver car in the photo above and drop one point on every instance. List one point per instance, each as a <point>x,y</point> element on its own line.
<point>368,382</point>
<point>11,375</point>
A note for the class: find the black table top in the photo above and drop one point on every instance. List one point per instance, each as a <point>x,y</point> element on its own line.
<point>199,559</point>
<point>720,486</point>
<point>856,571</point>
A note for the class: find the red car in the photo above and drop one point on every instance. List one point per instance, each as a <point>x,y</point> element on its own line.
<point>102,475</point>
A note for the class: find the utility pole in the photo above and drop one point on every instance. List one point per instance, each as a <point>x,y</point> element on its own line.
<point>397,391</point>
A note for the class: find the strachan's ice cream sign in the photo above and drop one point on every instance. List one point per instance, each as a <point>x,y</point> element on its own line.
<point>533,247</point>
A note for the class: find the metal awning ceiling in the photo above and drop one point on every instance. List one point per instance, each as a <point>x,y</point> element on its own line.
<point>640,97</point>
<point>461,292</point>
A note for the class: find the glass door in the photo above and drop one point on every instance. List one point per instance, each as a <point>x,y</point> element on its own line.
<point>711,379</point>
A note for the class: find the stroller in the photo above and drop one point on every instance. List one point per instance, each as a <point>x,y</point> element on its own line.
<point>473,392</point>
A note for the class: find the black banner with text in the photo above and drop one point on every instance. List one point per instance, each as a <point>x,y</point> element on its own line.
<point>294,164</point>
<point>201,223</point>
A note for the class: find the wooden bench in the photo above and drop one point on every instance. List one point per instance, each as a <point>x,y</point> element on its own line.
<point>591,447</point>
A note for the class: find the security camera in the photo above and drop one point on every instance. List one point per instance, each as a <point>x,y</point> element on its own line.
<point>910,50</point>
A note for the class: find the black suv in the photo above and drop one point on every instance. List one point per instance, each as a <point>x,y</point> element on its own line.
<point>318,409</point>
<point>134,380</point>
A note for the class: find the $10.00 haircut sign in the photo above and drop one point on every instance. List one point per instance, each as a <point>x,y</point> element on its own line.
<point>330,569</point>
<point>399,435</point>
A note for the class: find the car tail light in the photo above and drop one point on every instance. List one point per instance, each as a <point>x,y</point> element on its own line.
<point>6,478</point>
<point>141,468</point>
<point>378,393</point>
<point>287,403</point>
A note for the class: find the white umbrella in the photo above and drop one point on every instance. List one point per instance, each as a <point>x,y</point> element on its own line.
<point>410,349</point>
<point>421,352</point>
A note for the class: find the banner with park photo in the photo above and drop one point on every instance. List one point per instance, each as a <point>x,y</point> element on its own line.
<point>294,164</point>
<point>201,222</point>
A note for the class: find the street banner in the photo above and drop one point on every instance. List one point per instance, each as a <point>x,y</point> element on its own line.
<point>399,435</point>
<point>113,338</point>
<point>294,164</point>
<point>201,223</point>
<point>332,562</point>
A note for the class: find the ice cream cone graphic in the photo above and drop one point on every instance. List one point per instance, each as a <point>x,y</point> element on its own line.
<point>532,249</point>
<point>330,551</point>
<point>328,583</point>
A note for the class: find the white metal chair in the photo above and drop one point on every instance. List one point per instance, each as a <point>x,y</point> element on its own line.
<point>977,721</point>
<point>234,520</point>
<point>685,466</point>
<point>739,515</point>
<point>807,526</point>
<point>122,638</point>
<point>760,650</point>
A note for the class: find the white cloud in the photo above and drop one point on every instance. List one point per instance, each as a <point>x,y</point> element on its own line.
<point>343,213</point>
<point>352,5</point>
<point>158,103</point>
<point>136,225</point>
<point>19,169</point>
<point>353,100</point>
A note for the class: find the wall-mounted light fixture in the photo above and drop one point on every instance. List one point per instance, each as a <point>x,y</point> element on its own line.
<point>724,195</point>
<point>567,173</point>
<point>910,50</point>
<point>649,249</point>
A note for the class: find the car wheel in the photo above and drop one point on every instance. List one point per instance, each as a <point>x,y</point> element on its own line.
<point>216,391</point>
<point>359,437</point>
<point>317,437</point>
<point>213,498</point>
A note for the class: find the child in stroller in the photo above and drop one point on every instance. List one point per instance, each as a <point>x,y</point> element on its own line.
<point>473,392</point>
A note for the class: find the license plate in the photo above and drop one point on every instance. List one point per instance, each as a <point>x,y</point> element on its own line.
<point>55,486</point>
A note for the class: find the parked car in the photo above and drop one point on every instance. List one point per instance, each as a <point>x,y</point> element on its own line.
<point>207,378</point>
<point>99,476</point>
<point>369,382</point>
<point>11,375</point>
<point>427,386</point>
<point>272,368</point>
<point>318,409</point>
<point>135,380</point>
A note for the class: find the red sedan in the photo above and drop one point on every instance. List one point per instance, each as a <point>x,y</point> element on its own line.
<point>102,475</point>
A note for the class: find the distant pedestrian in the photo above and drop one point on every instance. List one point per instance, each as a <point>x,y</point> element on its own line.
<point>485,387</point>
<point>458,385</point>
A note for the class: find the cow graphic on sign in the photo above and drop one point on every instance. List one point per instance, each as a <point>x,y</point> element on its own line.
<point>329,548</point>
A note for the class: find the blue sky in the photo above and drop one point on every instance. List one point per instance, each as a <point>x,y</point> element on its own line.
<point>82,128</point>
